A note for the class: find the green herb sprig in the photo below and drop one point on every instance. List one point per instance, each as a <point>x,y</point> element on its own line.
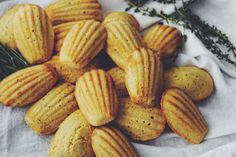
<point>10,61</point>
<point>212,37</point>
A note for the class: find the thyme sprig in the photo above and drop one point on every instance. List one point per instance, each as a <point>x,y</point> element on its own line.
<point>10,61</point>
<point>213,38</point>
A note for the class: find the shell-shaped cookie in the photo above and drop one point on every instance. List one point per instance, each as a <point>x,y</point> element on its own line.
<point>122,40</point>
<point>96,97</point>
<point>194,81</point>
<point>6,27</point>
<point>163,39</point>
<point>73,138</point>
<point>66,72</point>
<point>110,142</point>
<point>74,10</point>
<point>182,115</point>
<point>144,77</point>
<point>33,34</point>
<point>27,86</point>
<point>83,43</point>
<point>118,76</point>
<point>47,114</point>
<point>61,31</point>
<point>138,122</point>
<point>121,17</point>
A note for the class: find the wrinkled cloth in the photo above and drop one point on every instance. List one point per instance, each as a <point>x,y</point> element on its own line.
<point>16,139</point>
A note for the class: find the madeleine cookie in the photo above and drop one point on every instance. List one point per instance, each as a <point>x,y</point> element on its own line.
<point>83,43</point>
<point>121,17</point>
<point>96,97</point>
<point>74,10</point>
<point>144,77</point>
<point>73,138</point>
<point>61,31</point>
<point>6,27</point>
<point>140,123</point>
<point>47,114</point>
<point>118,76</point>
<point>122,40</point>
<point>66,72</point>
<point>194,81</point>
<point>182,115</point>
<point>110,142</point>
<point>33,33</point>
<point>27,85</point>
<point>163,39</point>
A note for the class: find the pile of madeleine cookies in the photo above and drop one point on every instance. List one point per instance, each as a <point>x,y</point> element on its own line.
<point>94,107</point>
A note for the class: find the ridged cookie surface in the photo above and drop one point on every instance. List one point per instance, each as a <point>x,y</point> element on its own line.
<point>163,39</point>
<point>73,138</point>
<point>47,114</point>
<point>144,77</point>
<point>74,10</point>
<point>83,43</point>
<point>66,72</point>
<point>27,86</point>
<point>138,122</point>
<point>33,33</point>
<point>182,115</point>
<point>6,27</point>
<point>110,142</point>
<point>61,31</point>
<point>118,76</point>
<point>96,97</point>
<point>122,40</point>
<point>121,17</point>
<point>194,81</point>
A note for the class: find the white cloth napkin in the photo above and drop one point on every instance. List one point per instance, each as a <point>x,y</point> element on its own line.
<point>16,139</point>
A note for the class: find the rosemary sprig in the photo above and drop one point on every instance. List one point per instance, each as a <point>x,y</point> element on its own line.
<point>10,61</point>
<point>213,38</point>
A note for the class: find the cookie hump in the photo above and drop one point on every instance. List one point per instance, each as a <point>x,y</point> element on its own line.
<point>74,10</point>
<point>140,123</point>
<point>33,34</point>
<point>96,97</point>
<point>121,17</point>
<point>108,141</point>
<point>27,85</point>
<point>144,77</point>
<point>83,43</point>
<point>73,138</point>
<point>163,39</point>
<point>122,40</point>
<point>183,117</point>
<point>194,81</point>
<point>47,114</point>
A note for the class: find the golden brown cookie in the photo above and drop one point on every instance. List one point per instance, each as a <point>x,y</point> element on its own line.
<point>96,97</point>
<point>47,114</point>
<point>27,86</point>
<point>33,34</point>
<point>194,81</point>
<point>110,142</point>
<point>118,76</point>
<point>6,27</point>
<point>182,115</point>
<point>144,77</point>
<point>122,40</point>
<point>74,10</point>
<point>73,138</point>
<point>121,17</point>
<point>83,43</point>
<point>163,39</point>
<point>138,122</point>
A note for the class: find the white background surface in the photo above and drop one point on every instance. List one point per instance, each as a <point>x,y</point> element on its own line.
<point>16,139</point>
